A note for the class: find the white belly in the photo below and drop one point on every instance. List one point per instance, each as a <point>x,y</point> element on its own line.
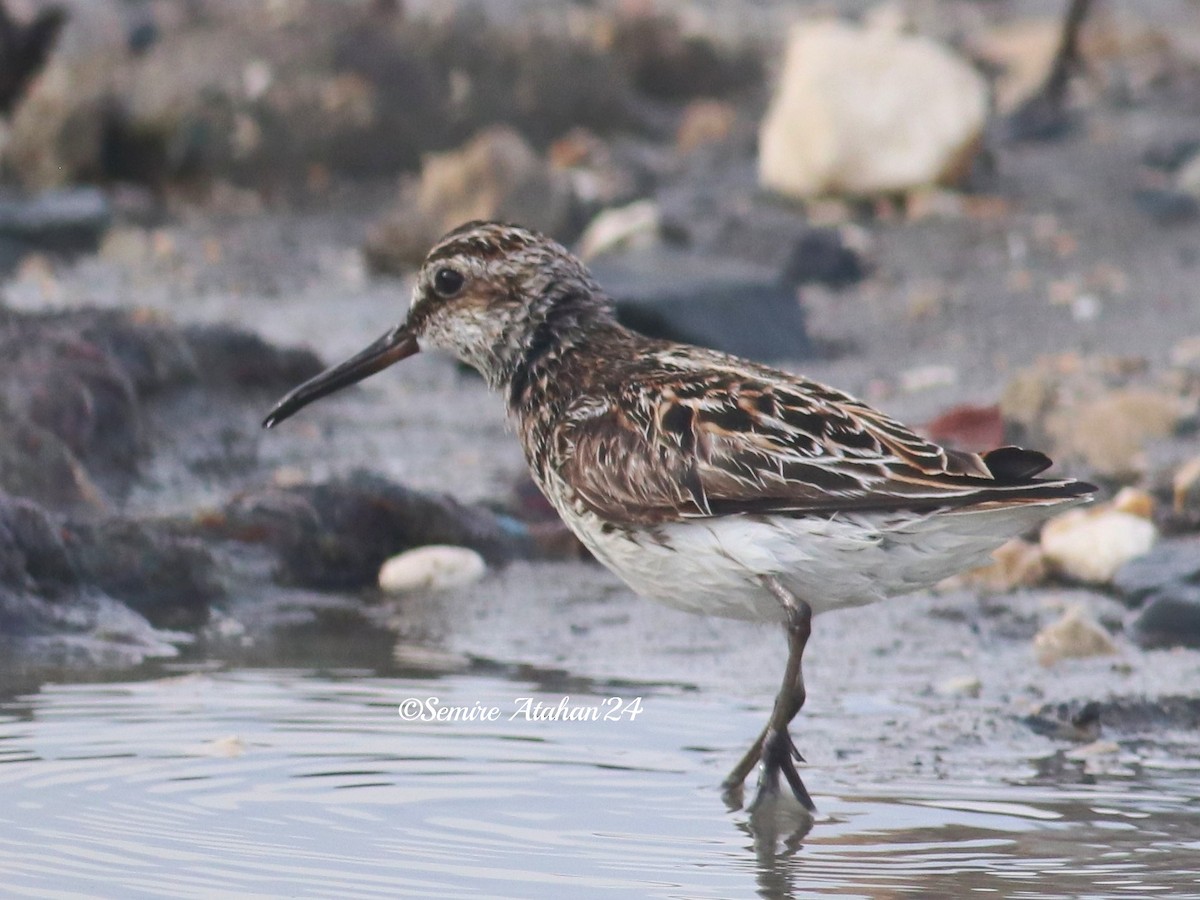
<point>715,566</point>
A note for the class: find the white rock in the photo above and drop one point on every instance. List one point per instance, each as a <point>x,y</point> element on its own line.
<point>869,111</point>
<point>1095,748</point>
<point>961,686</point>
<point>231,745</point>
<point>1074,636</point>
<point>1187,179</point>
<point>436,660</point>
<point>1089,545</point>
<point>626,227</point>
<point>1185,353</point>
<point>435,567</point>
<point>924,378</point>
<point>1135,502</point>
<point>257,77</point>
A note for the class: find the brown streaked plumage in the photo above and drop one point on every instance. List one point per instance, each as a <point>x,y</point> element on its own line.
<point>708,482</point>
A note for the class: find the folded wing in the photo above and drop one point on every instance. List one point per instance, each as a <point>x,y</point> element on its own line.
<point>690,442</point>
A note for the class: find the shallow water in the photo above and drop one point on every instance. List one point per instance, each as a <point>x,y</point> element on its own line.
<point>296,782</point>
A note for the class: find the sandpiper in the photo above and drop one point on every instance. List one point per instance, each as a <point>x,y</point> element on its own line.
<point>707,482</point>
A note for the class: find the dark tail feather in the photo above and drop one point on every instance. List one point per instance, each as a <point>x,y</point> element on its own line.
<point>1014,465</point>
<point>1015,468</point>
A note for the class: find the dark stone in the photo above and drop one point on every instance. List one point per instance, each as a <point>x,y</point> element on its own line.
<point>153,353</point>
<point>54,609</point>
<point>157,355</point>
<point>1169,156</point>
<point>540,83</point>
<point>1167,206</point>
<point>336,535</point>
<point>36,463</point>
<point>170,580</point>
<point>87,399</point>
<point>55,378</point>
<point>1083,720</point>
<point>226,355</point>
<point>530,504</point>
<point>664,63</point>
<point>91,631</point>
<point>822,256</point>
<point>1038,119</point>
<point>1170,564</point>
<point>1067,721</point>
<point>74,387</point>
<point>12,555</point>
<point>36,541</point>
<point>64,220</point>
<point>11,253</point>
<point>1133,715</point>
<point>723,304</point>
<point>1170,618</point>
<point>142,36</point>
<point>380,91</point>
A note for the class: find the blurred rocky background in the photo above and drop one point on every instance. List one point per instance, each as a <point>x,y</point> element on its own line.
<point>981,215</point>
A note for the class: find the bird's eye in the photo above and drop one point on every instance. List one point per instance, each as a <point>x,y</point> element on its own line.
<point>448,282</point>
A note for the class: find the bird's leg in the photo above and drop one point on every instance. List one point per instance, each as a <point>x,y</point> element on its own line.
<point>774,746</point>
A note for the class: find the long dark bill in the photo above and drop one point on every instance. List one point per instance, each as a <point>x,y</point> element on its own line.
<point>394,346</point>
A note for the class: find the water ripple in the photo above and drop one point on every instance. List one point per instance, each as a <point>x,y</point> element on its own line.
<point>270,782</point>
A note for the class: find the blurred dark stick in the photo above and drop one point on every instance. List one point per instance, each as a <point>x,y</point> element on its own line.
<point>1067,57</point>
<point>1042,115</point>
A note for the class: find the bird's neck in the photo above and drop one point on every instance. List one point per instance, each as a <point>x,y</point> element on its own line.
<point>556,343</point>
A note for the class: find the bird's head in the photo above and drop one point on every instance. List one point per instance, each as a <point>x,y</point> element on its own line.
<point>492,295</point>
